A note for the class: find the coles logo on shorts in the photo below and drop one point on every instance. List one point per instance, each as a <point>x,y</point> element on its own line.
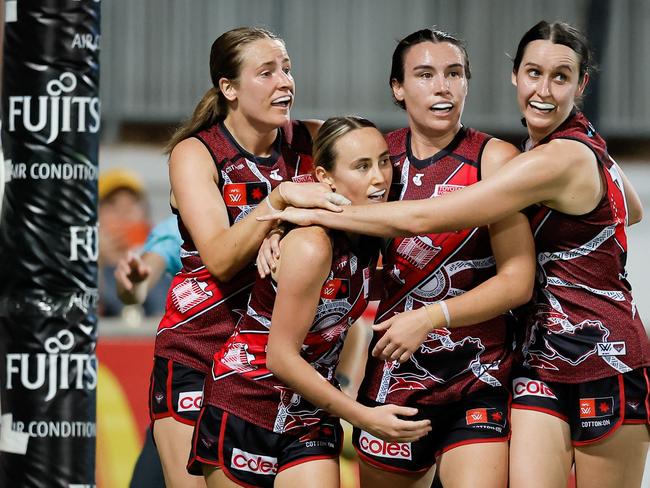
<point>526,386</point>
<point>190,401</point>
<point>596,407</point>
<point>377,447</point>
<point>253,463</point>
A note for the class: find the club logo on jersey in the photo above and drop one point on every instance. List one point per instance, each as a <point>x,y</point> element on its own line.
<point>253,463</point>
<point>527,387</point>
<point>419,250</point>
<point>377,447</point>
<point>596,407</point>
<point>190,401</point>
<point>335,289</point>
<point>611,348</point>
<point>417,179</point>
<point>237,358</point>
<point>189,293</point>
<point>490,416</point>
<point>275,176</point>
<point>442,189</point>
<point>242,194</point>
<point>304,178</point>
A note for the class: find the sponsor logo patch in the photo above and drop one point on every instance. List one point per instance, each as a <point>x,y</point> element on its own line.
<point>526,386</point>
<point>335,289</point>
<point>611,348</point>
<point>253,463</point>
<point>442,189</point>
<point>190,401</point>
<point>242,194</point>
<point>377,447</point>
<point>491,416</point>
<point>306,178</point>
<point>596,407</point>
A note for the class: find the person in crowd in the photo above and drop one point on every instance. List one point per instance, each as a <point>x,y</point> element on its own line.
<point>124,222</point>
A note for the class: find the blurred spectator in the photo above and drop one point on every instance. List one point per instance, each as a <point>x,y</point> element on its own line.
<point>123,227</point>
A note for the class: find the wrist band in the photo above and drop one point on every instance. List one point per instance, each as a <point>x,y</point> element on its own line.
<point>445,312</point>
<point>268,202</point>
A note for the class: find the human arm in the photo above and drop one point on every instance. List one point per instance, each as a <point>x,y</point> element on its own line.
<point>632,199</point>
<point>561,174</point>
<point>136,275</point>
<point>514,251</point>
<point>225,250</point>
<point>298,293</point>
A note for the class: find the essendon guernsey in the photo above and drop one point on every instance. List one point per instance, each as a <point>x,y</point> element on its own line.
<point>240,382</point>
<point>425,269</point>
<point>202,312</point>
<point>583,324</point>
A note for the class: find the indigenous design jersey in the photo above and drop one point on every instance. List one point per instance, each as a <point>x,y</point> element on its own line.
<point>582,323</point>
<point>241,383</point>
<point>425,269</point>
<point>202,312</point>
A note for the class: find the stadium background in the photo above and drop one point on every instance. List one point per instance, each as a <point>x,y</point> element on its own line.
<point>154,68</point>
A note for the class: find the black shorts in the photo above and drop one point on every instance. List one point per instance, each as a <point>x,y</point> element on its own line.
<point>593,410</point>
<point>250,455</point>
<point>175,391</point>
<point>483,416</point>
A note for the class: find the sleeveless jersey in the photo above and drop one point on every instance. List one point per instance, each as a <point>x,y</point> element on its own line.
<point>582,324</point>
<point>240,381</point>
<point>201,311</point>
<point>422,270</point>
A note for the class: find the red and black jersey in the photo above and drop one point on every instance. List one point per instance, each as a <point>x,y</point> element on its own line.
<point>201,311</point>
<point>422,270</point>
<point>240,382</point>
<point>582,324</point>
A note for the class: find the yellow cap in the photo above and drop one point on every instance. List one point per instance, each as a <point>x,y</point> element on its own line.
<point>118,178</point>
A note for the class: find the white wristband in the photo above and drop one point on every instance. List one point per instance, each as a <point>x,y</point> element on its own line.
<point>445,312</point>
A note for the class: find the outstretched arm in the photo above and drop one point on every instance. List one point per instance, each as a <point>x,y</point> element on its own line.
<point>298,293</point>
<point>562,174</point>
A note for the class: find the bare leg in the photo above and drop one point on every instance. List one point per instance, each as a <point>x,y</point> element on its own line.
<point>483,464</point>
<point>372,477</point>
<point>617,461</point>
<point>215,478</point>
<point>541,453</point>
<point>174,441</point>
<point>322,473</point>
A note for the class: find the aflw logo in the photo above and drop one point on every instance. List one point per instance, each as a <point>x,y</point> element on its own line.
<point>611,348</point>
<point>63,113</point>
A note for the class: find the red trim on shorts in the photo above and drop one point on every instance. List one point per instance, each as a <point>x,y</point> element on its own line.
<point>647,394</point>
<point>547,411</point>
<point>306,460</point>
<point>467,442</point>
<point>635,422</point>
<point>195,458</point>
<point>386,467</point>
<point>170,391</point>
<point>621,417</point>
<point>222,464</point>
